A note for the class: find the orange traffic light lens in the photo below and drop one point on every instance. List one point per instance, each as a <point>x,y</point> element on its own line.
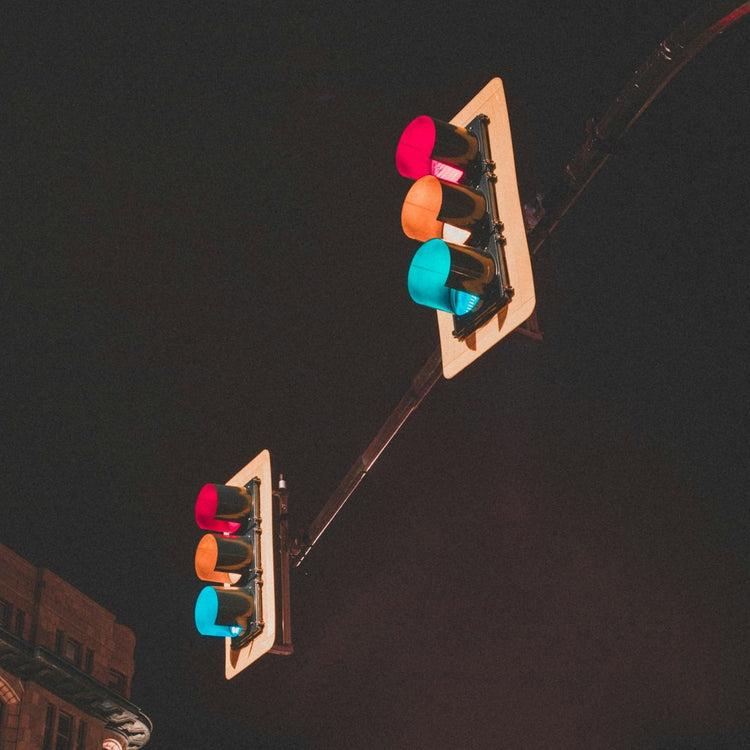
<point>419,214</point>
<point>222,559</point>
<point>431,202</point>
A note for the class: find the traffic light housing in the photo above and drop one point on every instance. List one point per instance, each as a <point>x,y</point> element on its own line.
<point>474,266</point>
<point>246,559</point>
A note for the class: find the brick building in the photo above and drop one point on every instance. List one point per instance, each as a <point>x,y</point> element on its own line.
<point>66,667</point>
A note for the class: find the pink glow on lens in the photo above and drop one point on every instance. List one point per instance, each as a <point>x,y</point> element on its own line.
<point>446,172</point>
<point>414,150</point>
<point>205,512</point>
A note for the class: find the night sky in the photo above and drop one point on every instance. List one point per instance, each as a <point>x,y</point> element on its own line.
<point>202,258</point>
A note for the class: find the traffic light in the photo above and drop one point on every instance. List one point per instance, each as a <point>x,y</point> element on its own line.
<point>474,266</point>
<point>247,556</point>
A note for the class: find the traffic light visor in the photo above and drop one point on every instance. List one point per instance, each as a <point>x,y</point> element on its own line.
<point>448,277</point>
<point>222,559</point>
<point>222,508</point>
<point>431,203</point>
<point>429,146</point>
<point>222,612</point>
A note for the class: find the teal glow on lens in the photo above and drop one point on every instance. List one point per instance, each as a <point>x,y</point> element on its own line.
<point>428,273</point>
<point>462,303</point>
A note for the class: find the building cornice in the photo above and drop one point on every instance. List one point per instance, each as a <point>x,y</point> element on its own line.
<point>65,680</point>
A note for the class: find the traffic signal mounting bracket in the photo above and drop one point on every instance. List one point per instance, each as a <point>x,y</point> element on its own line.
<point>252,583</point>
<point>283,644</point>
<point>282,564</point>
<point>490,241</point>
<point>276,637</point>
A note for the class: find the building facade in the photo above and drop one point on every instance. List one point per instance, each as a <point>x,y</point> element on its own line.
<point>66,667</point>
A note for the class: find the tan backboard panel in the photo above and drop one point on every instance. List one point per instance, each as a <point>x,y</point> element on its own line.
<point>237,660</point>
<point>457,354</point>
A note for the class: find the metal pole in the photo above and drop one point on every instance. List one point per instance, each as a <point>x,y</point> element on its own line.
<point>604,136</point>
<point>602,140</point>
<point>420,387</point>
<point>284,645</point>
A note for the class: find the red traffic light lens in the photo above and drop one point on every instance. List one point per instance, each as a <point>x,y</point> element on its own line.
<point>429,146</point>
<point>222,508</point>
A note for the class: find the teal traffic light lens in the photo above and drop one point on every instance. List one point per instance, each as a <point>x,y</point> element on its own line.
<point>429,272</point>
<point>209,614</point>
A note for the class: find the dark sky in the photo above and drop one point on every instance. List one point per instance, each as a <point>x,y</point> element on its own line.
<point>202,258</point>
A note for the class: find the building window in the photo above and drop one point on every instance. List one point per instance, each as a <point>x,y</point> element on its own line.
<point>81,737</point>
<point>20,622</point>
<point>64,731</point>
<point>58,730</point>
<point>49,728</point>
<point>69,648</point>
<point>6,610</point>
<point>117,681</point>
<point>72,651</point>
<point>89,663</point>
